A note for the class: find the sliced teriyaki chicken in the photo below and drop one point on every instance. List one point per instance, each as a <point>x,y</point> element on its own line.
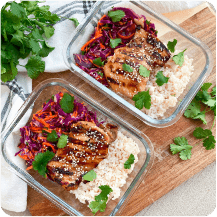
<point>87,147</point>
<point>144,49</point>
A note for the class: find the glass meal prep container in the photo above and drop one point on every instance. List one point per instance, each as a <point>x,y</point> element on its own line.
<point>53,191</point>
<point>197,50</point>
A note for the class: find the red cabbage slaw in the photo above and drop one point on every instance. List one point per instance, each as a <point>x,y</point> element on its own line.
<point>50,117</point>
<point>99,44</point>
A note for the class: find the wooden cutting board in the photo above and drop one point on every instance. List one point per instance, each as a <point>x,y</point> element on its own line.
<point>168,171</point>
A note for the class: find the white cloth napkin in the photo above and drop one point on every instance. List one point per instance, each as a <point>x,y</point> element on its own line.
<point>13,94</point>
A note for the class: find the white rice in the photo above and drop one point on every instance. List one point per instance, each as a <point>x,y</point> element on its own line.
<point>110,171</point>
<point>166,96</point>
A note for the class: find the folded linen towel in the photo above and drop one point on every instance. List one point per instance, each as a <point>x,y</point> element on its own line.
<point>13,94</point>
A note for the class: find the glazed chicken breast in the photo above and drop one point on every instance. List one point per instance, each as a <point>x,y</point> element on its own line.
<point>144,49</point>
<point>86,148</point>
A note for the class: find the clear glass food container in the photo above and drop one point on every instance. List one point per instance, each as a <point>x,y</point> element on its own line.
<point>167,31</point>
<point>53,191</point>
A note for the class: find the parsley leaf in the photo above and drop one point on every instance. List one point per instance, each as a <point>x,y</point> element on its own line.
<point>179,58</point>
<point>98,61</point>
<point>201,116</point>
<point>90,176</point>
<point>127,68</point>
<point>116,16</point>
<point>75,20</point>
<point>161,79</point>
<point>130,160</point>
<point>141,99</point>
<point>143,71</point>
<point>62,142</point>
<point>100,201</point>
<point>67,103</point>
<point>114,42</point>
<point>171,45</point>
<point>40,162</point>
<point>52,137</point>
<point>34,66</point>
<point>182,147</point>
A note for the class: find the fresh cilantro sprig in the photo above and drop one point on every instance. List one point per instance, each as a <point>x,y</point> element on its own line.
<point>52,137</point>
<point>182,147</point>
<point>98,61</point>
<point>40,162</point>
<point>171,45</point>
<point>142,99</point>
<point>208,139</point>
<point>25,27</point>
<point>100,200</point>
<point>143,71</point>
<point>129,162</point>
<point>117,15</point>
<point>127,68</point>
<point>67,103</point>
<point>161,79</point>
<point>115,42</point>
<point>179,58</point>
<point>62,141</point>
<point>90,176</point>
<point>203,97</point>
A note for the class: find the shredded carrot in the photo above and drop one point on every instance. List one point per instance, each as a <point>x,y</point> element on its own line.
<point>50,117</point>
<point>41,121</point>
<point>61,94</point>
<point>91,40</point>
<point>48,144</point>
<point>29,168</point>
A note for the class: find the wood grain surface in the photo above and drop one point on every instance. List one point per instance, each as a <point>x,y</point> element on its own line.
<point>168,171</point>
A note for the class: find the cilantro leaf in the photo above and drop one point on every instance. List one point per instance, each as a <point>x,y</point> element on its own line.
<point>130,160</point>
<point>98,61</point>
<point>209,142</point>
<point>193,109</point>
<point>34,66</point>
<point>202,95</point>
<point>90,176</point>
<point>142,99</point>
<point>213,91</point>
<point>143,71</point>
<point>40,162</point>
<point>182,147</point>
<point>200,133</point>
<point>114,42</point>
<point>105,191</point>
<point>171,45</point>
<point>179,58</point>
<point>52,137</point>
<point>96,206</point>
<point>206,86</point>
<point>48,31</point>
<point>100,201</point>
<point>116,16</point>
<point>45,50</point>
<point>201,116</point>
<point>127,68</point>
<point>210,102</point>
<point>62,142</point>
<point>75,20</point>
<point>161,79</point>
<point>67,103</point>
<point>17,10</point>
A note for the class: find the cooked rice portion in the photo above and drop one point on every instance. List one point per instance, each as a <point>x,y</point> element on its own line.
<point>164,97</point>
<point>110,171</point>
